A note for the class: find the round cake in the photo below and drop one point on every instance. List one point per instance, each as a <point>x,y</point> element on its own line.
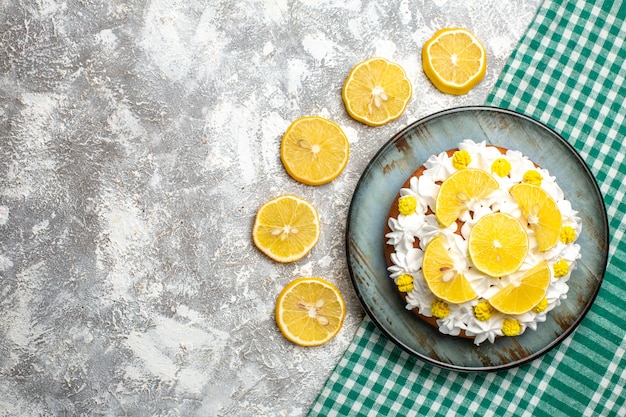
<point>481,242</point>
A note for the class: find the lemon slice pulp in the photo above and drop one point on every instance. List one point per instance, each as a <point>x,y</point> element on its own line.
<point>441,275</point>
<point>376,91</point>
<point>519,298</point>
<point>498,244</point>
<point>286,228</point>
<point>310,311</point>
<point>458,191</point>
<point>314,150</point>
<point>541,212</point>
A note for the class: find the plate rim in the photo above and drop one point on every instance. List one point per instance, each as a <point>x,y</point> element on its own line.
<point>604,226</point>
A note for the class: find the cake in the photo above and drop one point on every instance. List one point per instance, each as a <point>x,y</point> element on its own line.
<point>438,261</point>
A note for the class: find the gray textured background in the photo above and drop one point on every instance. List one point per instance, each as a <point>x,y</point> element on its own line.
<point>137,140</point>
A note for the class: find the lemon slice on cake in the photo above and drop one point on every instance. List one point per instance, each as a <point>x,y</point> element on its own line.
<point>541,212</point>
<point>520,297</point>
<point>459,190</point>
<point>498,244</point>
<point>441,275</point>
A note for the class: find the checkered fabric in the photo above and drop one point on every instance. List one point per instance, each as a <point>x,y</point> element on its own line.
<point>568,72</point>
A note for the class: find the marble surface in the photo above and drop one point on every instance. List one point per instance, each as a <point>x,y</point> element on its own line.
<point>137,140</point>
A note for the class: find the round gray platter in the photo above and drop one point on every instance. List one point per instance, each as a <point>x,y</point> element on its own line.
<point>380,183</point>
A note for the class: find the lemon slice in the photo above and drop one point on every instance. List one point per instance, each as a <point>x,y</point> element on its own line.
<point>498,244</point>
<point>541,213</point>
<point>519,298</point>
<point>286,228</point>
<point>376,91</point>
<point>314,150</point>
<point>310,311</point>
<point>459,190</point>
<point>454,60</point>
<point>441,276</point>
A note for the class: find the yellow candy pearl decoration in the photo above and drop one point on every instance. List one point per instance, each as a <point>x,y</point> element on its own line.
<point>407,204</point>
<point>511,327</point>
<point>461,159</point>
<point>405,283</point>
<point>501,167</point>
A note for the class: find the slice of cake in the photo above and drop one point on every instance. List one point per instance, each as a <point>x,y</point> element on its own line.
<point>481,242</point>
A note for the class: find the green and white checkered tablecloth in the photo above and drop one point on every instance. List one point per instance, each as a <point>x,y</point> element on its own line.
<point>569,72</point>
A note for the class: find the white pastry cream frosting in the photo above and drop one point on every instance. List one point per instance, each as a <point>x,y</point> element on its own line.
<point>422,225</point>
